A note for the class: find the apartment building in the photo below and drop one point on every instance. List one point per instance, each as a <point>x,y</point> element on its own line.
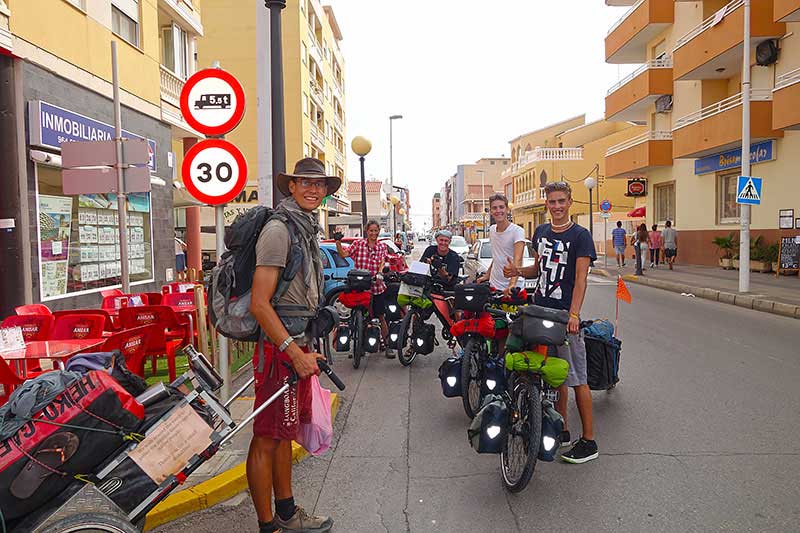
<point>436,210</point>
<point>448,204</point>
<point>472,186</point>
<point>688,94</point>
<point>314,84</point>
<point>56,87</point>
<point>570,150</point>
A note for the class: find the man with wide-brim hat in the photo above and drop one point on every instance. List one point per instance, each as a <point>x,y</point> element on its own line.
<point>292,229</point>
<point>308,168</point>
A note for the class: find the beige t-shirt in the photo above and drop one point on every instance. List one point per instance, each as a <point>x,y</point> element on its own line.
<point>272,249</point>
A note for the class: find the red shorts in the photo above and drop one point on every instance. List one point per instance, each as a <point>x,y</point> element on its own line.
<point>283,417</point>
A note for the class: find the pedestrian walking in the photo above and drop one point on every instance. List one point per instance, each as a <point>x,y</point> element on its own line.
<point>618,239</point>
<point>655,246</point>
<point>563,251</point>
<point>670,241</point>
<point>269,459</point>
<point>371,254</point>
<point>180,259</point>
<point>640,241</point>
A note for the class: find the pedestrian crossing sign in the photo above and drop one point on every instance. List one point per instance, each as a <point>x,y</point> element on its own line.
<point>748,191</point>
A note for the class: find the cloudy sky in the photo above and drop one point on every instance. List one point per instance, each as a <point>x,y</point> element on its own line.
<point>467,78</point>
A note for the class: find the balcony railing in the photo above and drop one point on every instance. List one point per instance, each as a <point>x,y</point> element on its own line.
<point>171,86</point>
<point>639,139</point>
<point>711,21</point>
<point>337,122</point>
<point>789,78</point>
<point>541,193</point>
<point>756,95</point>
<point>665,62</point>
<point>472,217</point>
<point>627,14</point>
<point>316,136</point>
<point>557,154</point>
<point>313,47</point>
<point>340,159</point>
<point>316,92</point>
<point>525,197</point>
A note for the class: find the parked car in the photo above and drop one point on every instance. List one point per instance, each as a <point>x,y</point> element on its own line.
<point>479,259</point>
<point>334,266</point>
<point>396,261</point>
<point>459,245</point>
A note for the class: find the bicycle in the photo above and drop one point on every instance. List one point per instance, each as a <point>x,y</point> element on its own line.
<point>353,301</point>
<point>479,333</point>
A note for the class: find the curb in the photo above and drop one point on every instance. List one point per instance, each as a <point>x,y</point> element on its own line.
<point>731,298</point>
<point>215,490</point>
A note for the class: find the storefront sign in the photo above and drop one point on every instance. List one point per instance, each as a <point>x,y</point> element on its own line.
<point>759,153</point>
<point>51,126</point>
<point>637,187</point>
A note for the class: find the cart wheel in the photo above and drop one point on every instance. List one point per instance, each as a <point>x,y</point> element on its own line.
<point>92,523</point>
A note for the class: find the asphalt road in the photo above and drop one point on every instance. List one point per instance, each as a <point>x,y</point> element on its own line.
<point>701,434</point>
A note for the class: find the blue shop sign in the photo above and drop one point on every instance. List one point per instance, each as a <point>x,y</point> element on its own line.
<point>51,126</point>
<point>759,153</point>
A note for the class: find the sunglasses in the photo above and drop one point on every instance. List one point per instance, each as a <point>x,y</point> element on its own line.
<point>320,185</point>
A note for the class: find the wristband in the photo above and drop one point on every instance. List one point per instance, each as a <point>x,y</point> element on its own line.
<point>573,315</point>
<point>285,344</point>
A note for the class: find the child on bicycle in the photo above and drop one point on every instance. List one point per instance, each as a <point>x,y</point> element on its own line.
<point>563,251</point>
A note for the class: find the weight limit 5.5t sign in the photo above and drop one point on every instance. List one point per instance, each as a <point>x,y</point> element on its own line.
<point>212,101</point>
<point>214,171</point>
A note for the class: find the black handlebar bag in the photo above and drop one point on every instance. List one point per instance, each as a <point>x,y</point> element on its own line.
<point>541,325</point>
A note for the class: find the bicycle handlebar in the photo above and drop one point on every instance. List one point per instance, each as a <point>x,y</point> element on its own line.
<point>326,368</point>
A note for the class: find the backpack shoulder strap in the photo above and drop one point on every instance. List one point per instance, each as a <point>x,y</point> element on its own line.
<point>293,261</point>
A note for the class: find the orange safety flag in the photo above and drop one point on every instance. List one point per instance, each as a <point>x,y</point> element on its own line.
<point>622,291</point>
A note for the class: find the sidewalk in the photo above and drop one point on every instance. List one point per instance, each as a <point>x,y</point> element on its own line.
<point>768,293</point>
<point>223,476</point>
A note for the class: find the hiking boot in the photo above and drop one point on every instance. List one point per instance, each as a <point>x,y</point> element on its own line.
<point>302,522</point>
<point>583,451</point>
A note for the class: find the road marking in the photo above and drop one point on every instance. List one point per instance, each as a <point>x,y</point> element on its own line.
<point>598,280</point>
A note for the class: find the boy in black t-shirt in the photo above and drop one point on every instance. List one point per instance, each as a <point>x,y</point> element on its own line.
<point>563,253</point>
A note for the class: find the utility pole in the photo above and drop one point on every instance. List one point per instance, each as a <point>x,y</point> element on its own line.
<point>121,196</point>
<point>276,72</point>
<point>744,214</point>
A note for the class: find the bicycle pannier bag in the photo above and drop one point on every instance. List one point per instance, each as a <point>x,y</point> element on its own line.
<point>472,296</point>
<point>423,338</point>
<point>541,325</point>
<point>394,335</point>
<point>450,376</point>
<point>359,280</point>
<point>489,429</point>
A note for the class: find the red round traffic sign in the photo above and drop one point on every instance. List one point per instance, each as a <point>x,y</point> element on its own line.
<point>214,171</point>
<point>212,101</point>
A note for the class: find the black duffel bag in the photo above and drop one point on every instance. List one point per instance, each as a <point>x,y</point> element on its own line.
<point>541,325</point>
<point>359,280</point>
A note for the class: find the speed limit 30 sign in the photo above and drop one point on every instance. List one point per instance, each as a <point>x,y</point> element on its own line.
<point>214,171</point>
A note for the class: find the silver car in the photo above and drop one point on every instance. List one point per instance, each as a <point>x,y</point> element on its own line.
<point>479,259</point>
<point>459,245</point>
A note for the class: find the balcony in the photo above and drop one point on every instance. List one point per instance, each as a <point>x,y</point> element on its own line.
<point>473,217</point>
<point>714,48</point>
<point>650,150</point>
<point>786,11</point>
<point>339,159</point>
<point>718,127</point>
<point>524,198</point>
<point>171,87</point>
<point>627,40</point>
<point>620,2</point>
<point>317,138</point>
<point>631,98</point>
<point>316,93</point>
<point>313,48</point>
<point>786,101</point>
<point>184,12</point>
<point>338,124</point>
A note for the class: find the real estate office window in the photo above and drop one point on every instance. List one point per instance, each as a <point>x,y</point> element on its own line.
<point>727,208</point>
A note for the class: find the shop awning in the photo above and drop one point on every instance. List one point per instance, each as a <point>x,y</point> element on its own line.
<point>639,212</point>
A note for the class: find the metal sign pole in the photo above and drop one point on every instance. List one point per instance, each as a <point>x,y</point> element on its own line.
<point>121,197</point>
<point>224,363</point>
<point>605,240</point>
<point>744,215</point>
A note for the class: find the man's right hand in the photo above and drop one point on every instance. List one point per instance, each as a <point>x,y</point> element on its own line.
<point>338,236</point>
<point>305,363</point>
<point>510,270</point>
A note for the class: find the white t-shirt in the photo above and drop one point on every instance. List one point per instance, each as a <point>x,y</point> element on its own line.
<point>503,250</point>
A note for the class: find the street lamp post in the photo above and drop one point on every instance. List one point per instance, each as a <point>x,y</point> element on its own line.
<point>590,184</point>
<point>391,170</point>
<point>744,213</point>
<point>276,74</point>
<point>483,199</point>
<point>362,146</point>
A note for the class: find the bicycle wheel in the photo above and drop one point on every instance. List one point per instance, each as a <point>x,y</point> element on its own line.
<point>358,337</point>
<point>402,338</point>
<point>471,372</point>
<point>518,459</point>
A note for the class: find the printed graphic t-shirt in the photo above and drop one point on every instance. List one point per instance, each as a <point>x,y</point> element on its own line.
<point>558,254</point>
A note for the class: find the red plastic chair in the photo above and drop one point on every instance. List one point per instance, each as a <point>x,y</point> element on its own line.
<point>133,345</point>
<point>178,299</point>
<point>153,298</point>
<point>111,292</point>
<point>119,301</point>
<point>33,309</point>
<point>178,286</point>
<point>109,321</point>
<point>78,326</point>
<point>34,328</point>
<point>170,335</point>
<point>9,380</point>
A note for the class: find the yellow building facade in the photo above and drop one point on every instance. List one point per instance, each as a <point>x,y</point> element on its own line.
<point>314,84</point>
<point>688,94</point>
<point>570,151</point>
<point>57,83</point>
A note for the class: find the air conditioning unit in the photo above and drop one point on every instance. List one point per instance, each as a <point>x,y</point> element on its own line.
<point>664,104</point>
<point>767,52</point>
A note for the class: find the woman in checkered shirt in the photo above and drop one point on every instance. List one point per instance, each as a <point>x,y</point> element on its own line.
<point>370,254</point>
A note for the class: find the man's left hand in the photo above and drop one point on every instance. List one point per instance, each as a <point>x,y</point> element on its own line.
<point>573,326</point>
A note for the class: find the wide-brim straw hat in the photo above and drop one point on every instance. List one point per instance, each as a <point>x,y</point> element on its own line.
<point>310,168</point>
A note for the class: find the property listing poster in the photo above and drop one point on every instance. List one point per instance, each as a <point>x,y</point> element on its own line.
<point>55,222</point>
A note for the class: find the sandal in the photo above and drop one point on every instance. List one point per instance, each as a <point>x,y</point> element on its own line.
<point>53,452</point>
